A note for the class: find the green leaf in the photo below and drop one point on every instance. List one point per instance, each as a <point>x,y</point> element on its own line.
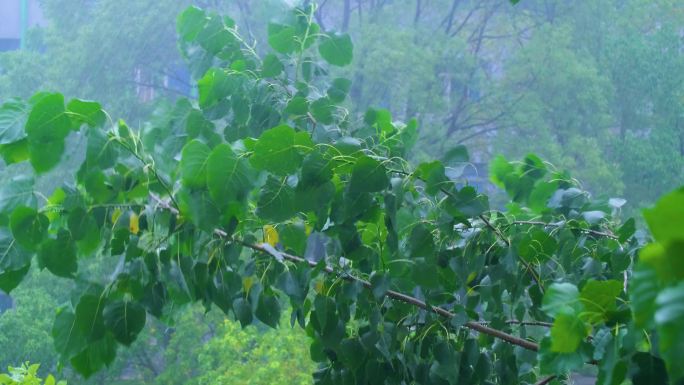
<point>125,319</point>
<point>58,255</point>
<point>322,110</point>
<point>297,106</point>
<point>12,119</point>
<point>89,320</point>
<point>626,230</point>
<point>15,152</point>
<point>316,169</point>
<point>67,340</point>
<point>96,355</point>
<point>190,22</point>
<point>243,312</point>
<point>458,154</point>
<point>294,285</point>
<point>537,246</point>
<point>337,49</point>
<point>15,261</point>
<point>214,36</point>
<point>467,202</point>
<point>193,163</point>
<point>561,298</point>
<point>368,175</point>
<point>46,127</point>
<point>325,311</point>
<point>213,87</point>
<point>499,169</point>
<point>282,37</point>
<point>669,318</point>
<point>85,112</point>
<point>17,191</point>
<point>339,88</point>
<point>434,176</point>
<point>567,333</point>
<point>314,197</point>
<point>352,353</point>
<point>271,66</point>
<point>229,178</point>
<point>643,290</point>
<point>421,242</point>
<point>10,279</point>
<point>666,219</point>
<point>380,284</point>
<point>598,298</point>
<point>29,227</point>
<point>279,150</point>
<point>446,364</point>
<point>80,223</point>
<point>551,362</point>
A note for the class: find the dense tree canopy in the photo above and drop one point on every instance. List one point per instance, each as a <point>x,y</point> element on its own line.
<point>267,188</point>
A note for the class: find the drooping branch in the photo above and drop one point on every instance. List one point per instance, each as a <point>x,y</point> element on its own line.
<point>473,325</point>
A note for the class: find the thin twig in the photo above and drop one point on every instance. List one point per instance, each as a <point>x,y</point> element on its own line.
<point>588,231</point>
<point>546,380</point>
<point>527,265</point>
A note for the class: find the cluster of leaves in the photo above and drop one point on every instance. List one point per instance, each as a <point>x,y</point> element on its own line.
<point>349,229</point>
<point>26,374</point>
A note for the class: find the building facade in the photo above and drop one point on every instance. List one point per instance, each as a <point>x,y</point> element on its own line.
<point>16,17</point>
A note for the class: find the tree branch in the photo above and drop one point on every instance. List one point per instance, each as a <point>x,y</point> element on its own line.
<point>588,231</point>
<point>473,325</point>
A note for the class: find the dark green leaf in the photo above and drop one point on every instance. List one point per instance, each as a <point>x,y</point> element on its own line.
<point>125,319</point>
<point>276,201</point>
<point>243,312</point>
<point>368,175</point>
<point>58,255</point>
<point>647,370</point>
<point>268,310</point>
<point>96,355</point>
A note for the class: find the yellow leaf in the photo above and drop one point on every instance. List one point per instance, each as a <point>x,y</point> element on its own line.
<point>134,223</point>
<point>271,235</point>
<point>471,277</point>
<point>247,283</point>
<point>319,286</point>
<point>116,214</point>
